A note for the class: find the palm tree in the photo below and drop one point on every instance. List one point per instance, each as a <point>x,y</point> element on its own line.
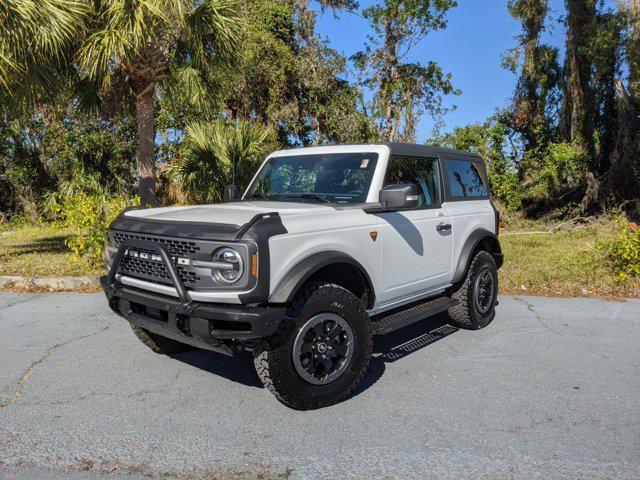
<point>35,39</point>
<point>220,153</point>
<point>151,43</point>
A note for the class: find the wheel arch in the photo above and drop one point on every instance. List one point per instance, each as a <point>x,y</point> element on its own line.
<point>333,266</point>
<point>480,239</point>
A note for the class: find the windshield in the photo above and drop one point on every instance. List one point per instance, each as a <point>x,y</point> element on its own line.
<point>328,178</point>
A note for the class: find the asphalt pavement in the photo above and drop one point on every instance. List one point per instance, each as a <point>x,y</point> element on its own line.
<point>551,389</point>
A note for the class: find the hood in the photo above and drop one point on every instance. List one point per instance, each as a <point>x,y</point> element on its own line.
<point>232,214</point>
<point>225,221</point>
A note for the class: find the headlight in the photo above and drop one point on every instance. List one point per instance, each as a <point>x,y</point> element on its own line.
<point>232,258</point>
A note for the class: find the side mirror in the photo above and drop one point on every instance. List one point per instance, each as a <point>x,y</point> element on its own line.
<point>399,195</point>
<point>230,193</point>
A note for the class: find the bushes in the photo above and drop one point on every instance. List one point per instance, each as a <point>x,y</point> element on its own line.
<point>89,216</point>
<point>560,168</point>
<point>624,251</point>
<point>87,208</point>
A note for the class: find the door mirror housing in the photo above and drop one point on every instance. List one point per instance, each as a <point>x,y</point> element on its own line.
<point>399,196</point>
<point>230,193</point>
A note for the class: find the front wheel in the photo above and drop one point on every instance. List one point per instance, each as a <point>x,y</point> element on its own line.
<point>321,351</point>
<point>477,294</point>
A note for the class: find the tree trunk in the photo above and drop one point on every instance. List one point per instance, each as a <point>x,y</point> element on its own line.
<point>146,148</point>
<point>580,21</point>
<point>566,108</point>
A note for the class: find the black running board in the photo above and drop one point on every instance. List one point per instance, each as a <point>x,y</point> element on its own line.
<point>397,319</point>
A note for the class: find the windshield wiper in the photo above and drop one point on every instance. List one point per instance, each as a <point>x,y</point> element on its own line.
<point>257,196</point>
<point>313,196</point>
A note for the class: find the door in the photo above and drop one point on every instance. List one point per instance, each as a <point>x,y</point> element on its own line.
<point>416,244</point>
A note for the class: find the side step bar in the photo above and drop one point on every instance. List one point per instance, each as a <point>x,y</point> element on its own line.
<point>397,319</point>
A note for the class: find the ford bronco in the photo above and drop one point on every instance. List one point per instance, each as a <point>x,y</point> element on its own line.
<point>327,247</point>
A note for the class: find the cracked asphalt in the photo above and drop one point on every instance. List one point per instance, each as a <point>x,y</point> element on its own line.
<point>551,389</point>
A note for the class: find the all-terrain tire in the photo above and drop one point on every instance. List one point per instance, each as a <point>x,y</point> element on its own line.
<point>158,343</point>
<point>273,358</point>
<point>466,314</point>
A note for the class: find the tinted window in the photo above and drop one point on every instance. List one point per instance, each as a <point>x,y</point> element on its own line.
<point>465,179</point>
<point>423,172</point>
<point>332,177</point>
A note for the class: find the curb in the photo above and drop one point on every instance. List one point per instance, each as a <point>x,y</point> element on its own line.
<point>51,284</point>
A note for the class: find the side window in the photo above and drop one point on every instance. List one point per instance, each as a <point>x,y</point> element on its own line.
<point>423,172</point>
<point>465,179</point>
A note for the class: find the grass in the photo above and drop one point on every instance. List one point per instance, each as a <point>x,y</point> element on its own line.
<point>40,252</point>
<point>563,263</point>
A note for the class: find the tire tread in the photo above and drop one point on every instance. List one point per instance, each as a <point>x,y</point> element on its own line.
<point>463,314</point>
<point>267,366</point>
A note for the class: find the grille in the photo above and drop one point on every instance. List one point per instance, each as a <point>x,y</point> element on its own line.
<point>173,246</point>
<point>148,269</point>
<point>136,267</point>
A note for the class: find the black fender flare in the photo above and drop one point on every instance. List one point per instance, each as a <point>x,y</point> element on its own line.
<point>470,245</point>
<point>303,270</point>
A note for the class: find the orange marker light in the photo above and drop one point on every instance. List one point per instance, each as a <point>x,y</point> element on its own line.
<point>374,235</point>
<point>254,264</point>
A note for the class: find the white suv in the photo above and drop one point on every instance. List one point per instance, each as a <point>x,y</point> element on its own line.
<point>327,247</point>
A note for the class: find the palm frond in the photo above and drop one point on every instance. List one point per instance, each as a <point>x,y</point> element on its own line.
<point>35,35</point>
<point>212,30</point>
<point>216,150</point>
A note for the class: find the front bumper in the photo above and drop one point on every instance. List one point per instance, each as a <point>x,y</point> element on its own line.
<point>201,325</point>
<point>204,325</point>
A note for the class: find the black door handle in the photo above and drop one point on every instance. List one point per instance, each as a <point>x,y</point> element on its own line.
<point>443,226</point>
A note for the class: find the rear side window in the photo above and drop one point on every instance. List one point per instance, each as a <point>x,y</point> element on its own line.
<point>465,179</point>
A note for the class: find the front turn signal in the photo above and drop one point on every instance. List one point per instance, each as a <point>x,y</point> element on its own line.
<point>254,264</point>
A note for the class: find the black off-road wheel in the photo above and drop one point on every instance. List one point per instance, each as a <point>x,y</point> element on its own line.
<point>321,350</point>
<point>158,343</point>
<point>477,294</point>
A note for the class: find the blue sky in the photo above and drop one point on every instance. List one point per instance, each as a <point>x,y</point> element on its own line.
<point>479,31</point>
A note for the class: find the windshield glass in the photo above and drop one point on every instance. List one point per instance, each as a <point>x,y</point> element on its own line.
<point>329,178</point>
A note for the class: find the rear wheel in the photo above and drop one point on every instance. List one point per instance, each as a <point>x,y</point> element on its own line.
<point>321,351</point>
<point>477,294</point>
<point>158,343</point>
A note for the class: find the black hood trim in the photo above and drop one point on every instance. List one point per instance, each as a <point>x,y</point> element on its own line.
<point>197,230</point>
<point>260,229</point>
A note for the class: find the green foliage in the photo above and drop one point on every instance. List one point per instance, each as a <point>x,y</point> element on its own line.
<point>536,94</point>
<point>35,38</point>
<point>216,69</point>
<point>623,252</point>
<point>219,153</point>
<point>149,38</point>
<point>87,209</point>
<point>56,144</point>
<point>561,169</point>
<point>288,77</point>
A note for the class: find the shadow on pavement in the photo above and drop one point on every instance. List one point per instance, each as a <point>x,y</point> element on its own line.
<point>396,345</point>
<point>238,369</point>
<point>387,348</point>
